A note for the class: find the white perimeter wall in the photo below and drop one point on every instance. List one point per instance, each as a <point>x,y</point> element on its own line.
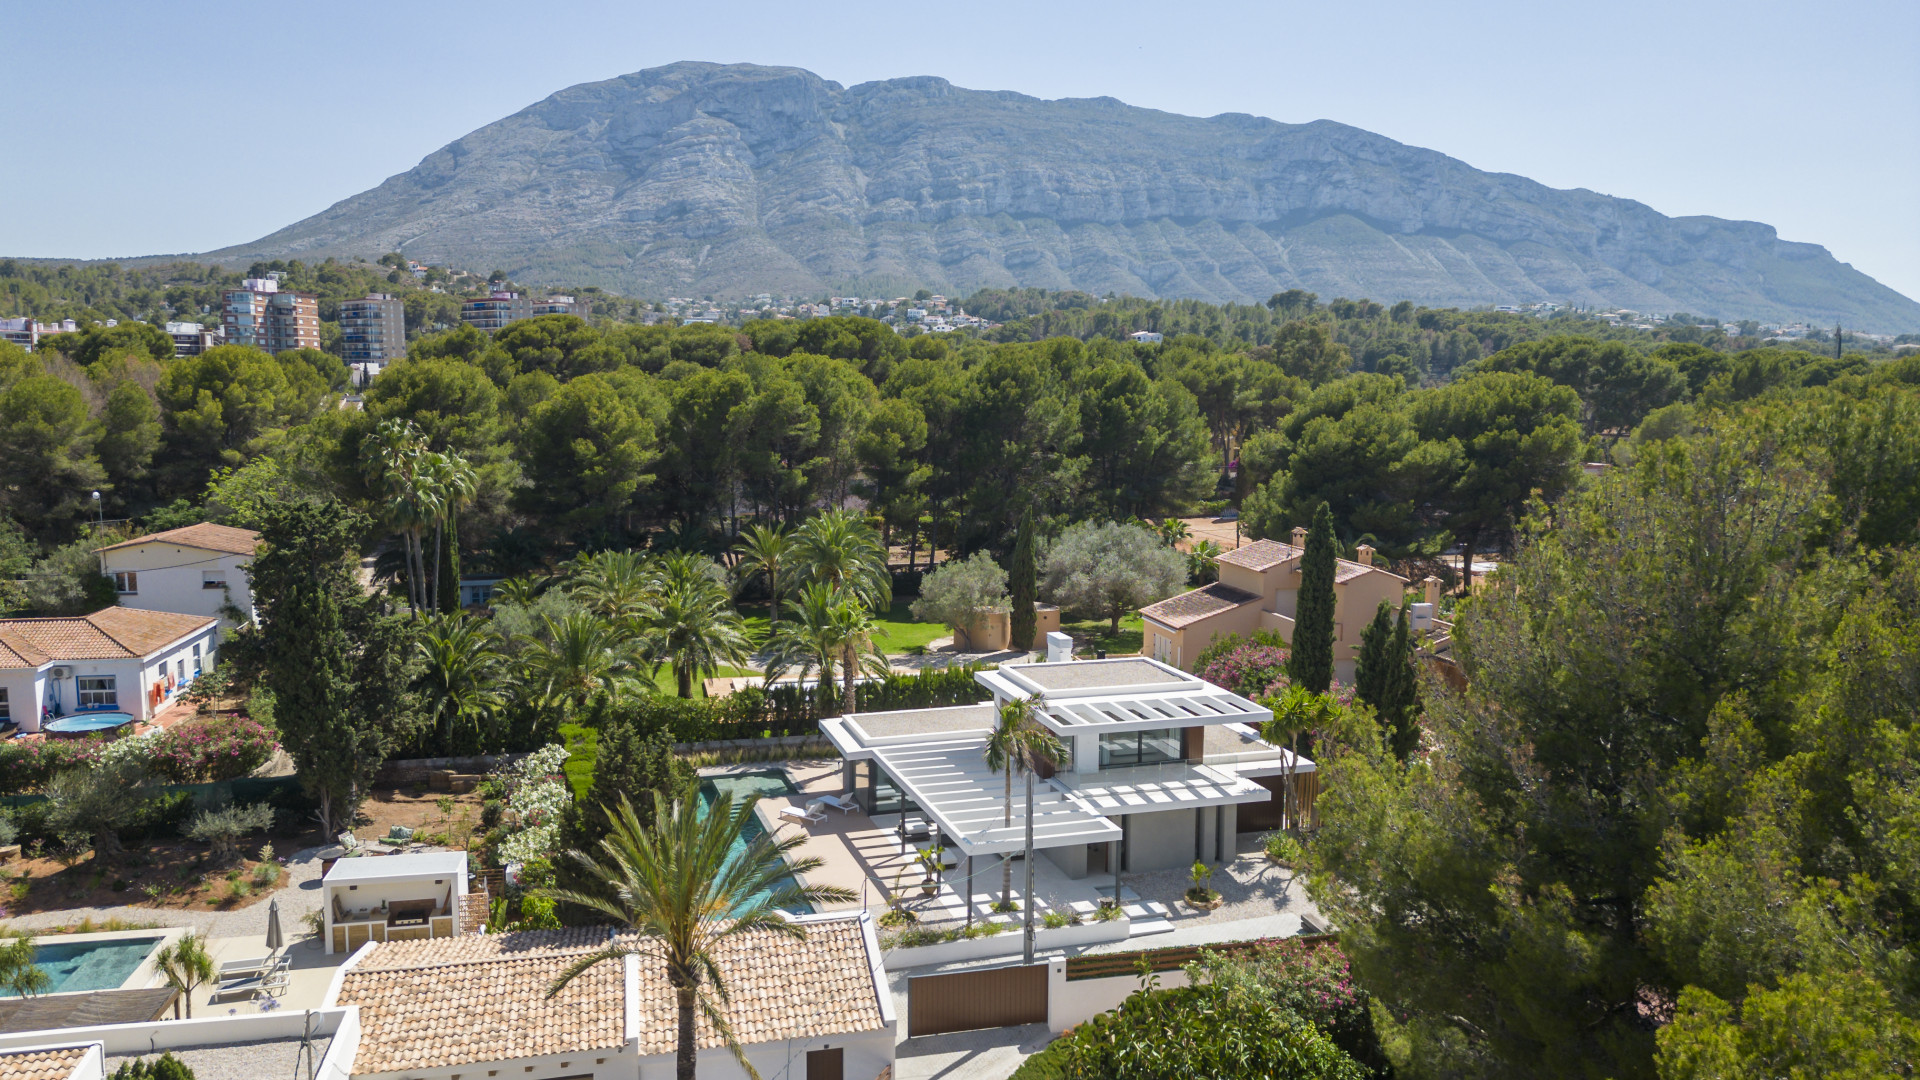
<point>1070,1004</point>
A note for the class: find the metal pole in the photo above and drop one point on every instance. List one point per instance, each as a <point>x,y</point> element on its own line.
<point>1115,856</point>
<point>969,892</point>
<point>1028,859</point>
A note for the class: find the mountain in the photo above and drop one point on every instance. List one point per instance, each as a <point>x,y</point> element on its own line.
<point>697,179</point>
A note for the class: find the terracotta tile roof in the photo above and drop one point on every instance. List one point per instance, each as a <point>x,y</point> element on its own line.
<point>1201,603</point>
<point>114,633</point>
<point>1260,555</point>
<point>206,536</point>
<point>41,1064</point>
<point>468,1000</point>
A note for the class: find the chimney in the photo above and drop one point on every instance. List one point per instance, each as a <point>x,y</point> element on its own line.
<point>1299,537</point>
<point>1363,555</point>
<point>1431,586</point>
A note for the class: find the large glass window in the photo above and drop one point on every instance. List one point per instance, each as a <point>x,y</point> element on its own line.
<point>1131,748</point>
<point>98,692</point>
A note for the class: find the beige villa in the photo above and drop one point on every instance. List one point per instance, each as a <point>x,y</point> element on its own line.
<point>1259,584</point>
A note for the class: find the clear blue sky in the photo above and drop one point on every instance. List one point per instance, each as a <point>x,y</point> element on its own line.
<point>140,128</point>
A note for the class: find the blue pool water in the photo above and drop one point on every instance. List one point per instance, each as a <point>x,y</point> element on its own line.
<point>90,965</point>
<point>98,721</point>
<point>741,785</point>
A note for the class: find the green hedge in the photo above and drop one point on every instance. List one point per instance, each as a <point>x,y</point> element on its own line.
<point>753,712</point>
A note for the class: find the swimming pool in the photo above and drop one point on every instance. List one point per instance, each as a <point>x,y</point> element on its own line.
<point>741,785</point>
<point>90,965</point>
<point>85,723</point>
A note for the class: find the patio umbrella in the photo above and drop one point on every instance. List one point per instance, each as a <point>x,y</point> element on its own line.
<point>276,940</point>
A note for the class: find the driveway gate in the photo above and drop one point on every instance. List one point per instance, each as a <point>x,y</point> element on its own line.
<point>969,1000</point>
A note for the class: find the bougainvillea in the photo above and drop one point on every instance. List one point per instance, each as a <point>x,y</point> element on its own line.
<point>26,765</point>
<point>220,749</point>
<point>1249,670</point>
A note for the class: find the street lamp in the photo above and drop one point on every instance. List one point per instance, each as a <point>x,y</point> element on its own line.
<point>99,515</point>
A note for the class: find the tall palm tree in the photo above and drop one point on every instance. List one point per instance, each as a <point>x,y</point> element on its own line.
<point>581,656</point>
<point>462,669</point>
<point>828,631</point>
<point>676,884</point>
<point>394,462</point>
<point>766,550</point>
<point>1017,743</point>
<point>185,965</point>
<point>612,584</point>
<point>840,548</point>
<point>690,625</point>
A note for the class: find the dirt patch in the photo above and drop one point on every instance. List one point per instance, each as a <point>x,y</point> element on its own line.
<point>435,817</point>
<point>174,876</point>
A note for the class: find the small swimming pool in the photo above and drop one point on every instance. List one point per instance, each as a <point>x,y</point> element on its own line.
<point>90,965</point>
<point>741,785</point>
<point>86,723</point>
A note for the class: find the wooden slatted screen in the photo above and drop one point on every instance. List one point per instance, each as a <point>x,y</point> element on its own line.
<point>970,1000</point>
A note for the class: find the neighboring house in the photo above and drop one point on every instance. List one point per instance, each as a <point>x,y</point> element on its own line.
<point>477,592</point>
<point>86,1061</point>
<point>198,570</point>
<point>477,1006</point>
<point>1158,765</point>
<point>1146,337</point>
<point>116,660</point>
<point>1258,589</point>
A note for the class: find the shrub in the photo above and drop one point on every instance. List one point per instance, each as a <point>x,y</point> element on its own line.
<point>1282,848</point>
<point>27,766</point>
<point>1312,981</point>
<point>225,748</point>
<point>961,590</point>
<point>223,828</point>
<point>1248,668</point>
<point>1200,1031</point>
<point>164,1067</point>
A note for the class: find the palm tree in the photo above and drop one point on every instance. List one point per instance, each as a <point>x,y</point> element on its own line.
<point>765,550</point>
<point>690,625</point>
<point>19,975</point>
<point>581,656</point>
<point>185,965</point>
<point>454,482</point>
<point>1018,741</point>
<point>462,671</point>
<point>612,584</point>
<point>829,631</point>
<point>840,548</point>
<point>395,460</point>
<point>677,885</point>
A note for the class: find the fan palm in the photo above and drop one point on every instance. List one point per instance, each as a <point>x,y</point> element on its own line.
<point>678,886</point>
<point>580,656</point>
<point>840,548</point>
<point>1017,743</point>
<point>462,668</point>
<point>766,550</point>
<point>453,481</point>
<point>690,625</point>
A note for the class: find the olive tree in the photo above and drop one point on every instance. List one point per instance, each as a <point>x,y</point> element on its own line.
<point>1110,569</point>
<point>959,592</point>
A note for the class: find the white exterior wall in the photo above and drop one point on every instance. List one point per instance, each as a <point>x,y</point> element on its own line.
<point>1162,841</point>
<point>172,578</point>
<point>865,1054</point>
<point>29,691</point>
<point>369,894</point>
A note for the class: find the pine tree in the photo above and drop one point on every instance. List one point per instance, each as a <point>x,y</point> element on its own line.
<point>1400,709</point>
<point>1311,663</point>
<point>1022,580</point>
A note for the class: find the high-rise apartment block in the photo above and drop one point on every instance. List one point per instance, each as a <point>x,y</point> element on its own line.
<point>260,315</point>
<point>373,329</point>
<point>502,307</point>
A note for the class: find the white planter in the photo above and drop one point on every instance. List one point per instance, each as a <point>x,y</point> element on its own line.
<point>1010,942</point>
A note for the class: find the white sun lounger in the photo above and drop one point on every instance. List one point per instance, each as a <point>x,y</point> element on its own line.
<point>802,817</point>
<point>842,803</point>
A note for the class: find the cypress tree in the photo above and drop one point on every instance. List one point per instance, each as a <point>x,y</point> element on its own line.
<point>448,563</point>
<point>1401,706</point>
<point>1022,578</point>
<point>1311,663</point>
<point>1373,674</point>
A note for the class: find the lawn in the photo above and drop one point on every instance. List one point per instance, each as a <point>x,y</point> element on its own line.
<point>903,632</point>
<point>1091,634</point>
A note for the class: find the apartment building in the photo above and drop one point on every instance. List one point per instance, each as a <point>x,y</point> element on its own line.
<point>27,333</point>
<point>562,305</point>
<point>260,315</point>
<point>495,311</point>
<point>192,338</point>
<point>373,329</point>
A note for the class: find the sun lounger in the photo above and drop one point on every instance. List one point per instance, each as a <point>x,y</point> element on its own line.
<point>270,979</point>
<point>235,969</point>
<point>802,817</point>
<point>842,803</point>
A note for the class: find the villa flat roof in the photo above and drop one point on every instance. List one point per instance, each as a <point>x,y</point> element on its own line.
<point>881,727</point>
<point>394,867</point>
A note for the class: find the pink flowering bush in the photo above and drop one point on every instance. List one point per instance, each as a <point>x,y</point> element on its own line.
<point>199,752</point>
<point>1312,980</point>
<point>26,765</point>
<point>1248,669</point>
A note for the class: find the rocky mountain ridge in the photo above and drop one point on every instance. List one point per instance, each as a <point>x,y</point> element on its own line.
<point>704,179</point>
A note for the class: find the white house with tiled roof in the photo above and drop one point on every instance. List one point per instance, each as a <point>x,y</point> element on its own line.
<point>197,570</point>
<point>477,1007</point>
<point>1258,589</point>
<point>115,661</point>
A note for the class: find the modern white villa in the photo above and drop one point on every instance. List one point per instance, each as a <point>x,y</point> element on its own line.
<point>1159,767</point>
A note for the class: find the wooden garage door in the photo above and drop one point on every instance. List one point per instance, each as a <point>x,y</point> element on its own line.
<point>969,1000</point>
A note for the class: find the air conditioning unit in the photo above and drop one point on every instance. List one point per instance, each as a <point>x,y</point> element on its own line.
<point>61,673</point>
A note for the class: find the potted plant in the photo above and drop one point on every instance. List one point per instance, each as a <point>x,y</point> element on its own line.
<point>1201,895</point>
<point>929,861</point>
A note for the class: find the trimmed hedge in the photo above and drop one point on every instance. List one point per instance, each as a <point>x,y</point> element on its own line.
<point>754,713</point>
